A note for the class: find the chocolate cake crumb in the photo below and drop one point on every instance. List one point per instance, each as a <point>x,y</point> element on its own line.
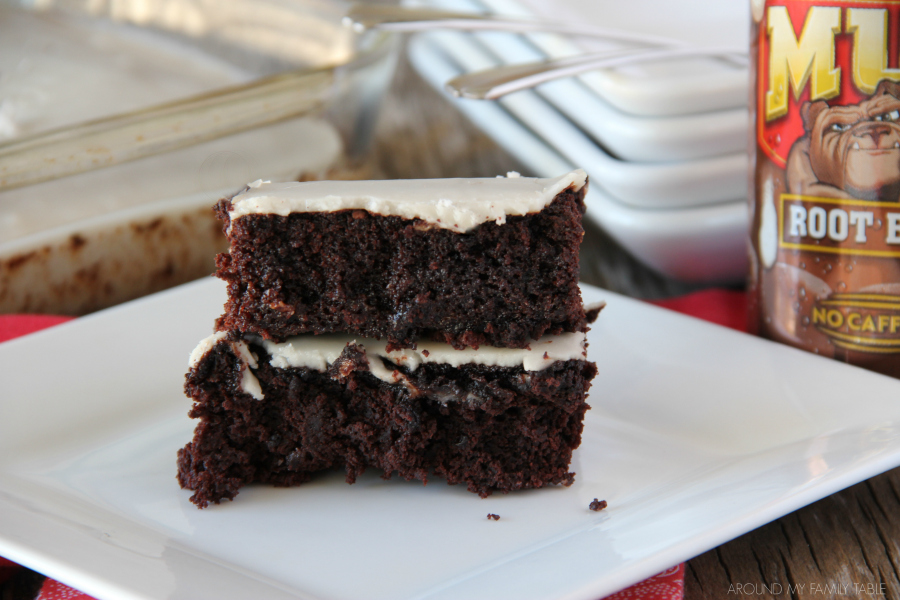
<point>597,505</point>
<point>492,516</point>
<point>592,311</point>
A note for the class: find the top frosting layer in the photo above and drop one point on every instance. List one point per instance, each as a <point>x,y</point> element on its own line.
<point>456,204</point>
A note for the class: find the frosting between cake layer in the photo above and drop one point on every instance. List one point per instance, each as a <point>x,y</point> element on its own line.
<point>317,352</point>
<point>456,204</point>
<point>249,382</point>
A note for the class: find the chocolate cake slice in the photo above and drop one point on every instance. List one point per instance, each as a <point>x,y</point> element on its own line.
<point>421,328</point>
<point>492,419</point>
<point>468,262</point>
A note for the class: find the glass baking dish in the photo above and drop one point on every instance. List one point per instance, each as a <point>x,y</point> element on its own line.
<point>123,121</point>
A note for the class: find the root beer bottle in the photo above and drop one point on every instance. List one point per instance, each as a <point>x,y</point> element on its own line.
<point>825,178</point>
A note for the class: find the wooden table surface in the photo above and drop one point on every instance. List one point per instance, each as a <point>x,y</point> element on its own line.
<point>845,546</point>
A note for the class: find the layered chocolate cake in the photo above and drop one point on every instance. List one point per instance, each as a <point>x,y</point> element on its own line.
<point>492,419</point>
<point>423,328</point>
<point>464,261</point>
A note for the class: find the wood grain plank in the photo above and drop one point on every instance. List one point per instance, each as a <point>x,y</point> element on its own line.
<point>845,546</point>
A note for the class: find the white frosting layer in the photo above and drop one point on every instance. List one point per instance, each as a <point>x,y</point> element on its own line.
<point>317,352</point>
<point>249,382</point>
<point>455,204</point>
<point>205,345</point>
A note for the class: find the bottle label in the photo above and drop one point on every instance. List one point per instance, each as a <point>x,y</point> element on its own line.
<point>826,224</point>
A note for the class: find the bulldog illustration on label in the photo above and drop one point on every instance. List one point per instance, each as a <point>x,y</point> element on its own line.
<point>825,179</point>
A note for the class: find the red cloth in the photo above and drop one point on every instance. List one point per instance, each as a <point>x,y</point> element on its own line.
<point>668,585</point>
<point>724,307</point>
<point>12,326</point>
<point>54,590</point>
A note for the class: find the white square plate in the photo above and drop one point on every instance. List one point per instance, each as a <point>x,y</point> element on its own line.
<point>697,434</point>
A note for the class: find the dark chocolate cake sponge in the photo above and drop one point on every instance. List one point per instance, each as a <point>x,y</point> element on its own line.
<point>403,280</point>
<point>490,428</point>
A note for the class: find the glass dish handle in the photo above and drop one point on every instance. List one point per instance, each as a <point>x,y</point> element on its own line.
<point>162,128</point>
